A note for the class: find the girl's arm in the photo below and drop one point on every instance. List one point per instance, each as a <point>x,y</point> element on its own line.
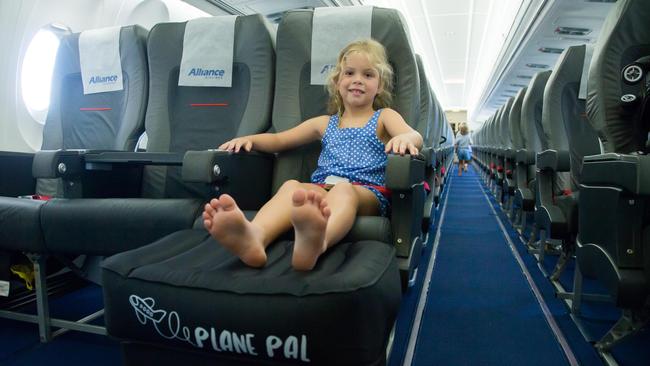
<point>404,139</point>
<point>306,132</point>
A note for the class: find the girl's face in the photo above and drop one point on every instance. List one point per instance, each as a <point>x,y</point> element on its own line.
<point>358,82</point>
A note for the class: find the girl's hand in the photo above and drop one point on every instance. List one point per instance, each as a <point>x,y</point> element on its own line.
<point>401,145</point>
<point>237,144</point>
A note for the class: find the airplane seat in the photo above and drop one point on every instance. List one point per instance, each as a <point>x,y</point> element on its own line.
<point>110,120</point>
<point>426,125</point>
<point>504,146</point>
<point>531,119</point>
<point>178,118</point>
<point>514,123</point>
<point>196,115</point>
<point>185,297</point>
<point>614,217</point>
<point>570,138</point>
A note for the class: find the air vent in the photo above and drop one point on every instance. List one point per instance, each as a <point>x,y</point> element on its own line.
<point>524,77</point>
<point>551,50</point>
<point>600,1</point>
<point>537,66</point>
<point>572,31</point>
<point>512,91</point>
<point>518,85</point>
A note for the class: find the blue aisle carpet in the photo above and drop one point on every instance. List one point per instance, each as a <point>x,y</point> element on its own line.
<point>480,309</point>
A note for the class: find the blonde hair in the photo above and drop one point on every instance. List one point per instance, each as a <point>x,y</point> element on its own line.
<point>376,54</point>
<point>463,129</point>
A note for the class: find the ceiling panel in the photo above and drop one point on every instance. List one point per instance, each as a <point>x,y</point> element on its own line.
<point>450,33</point>
<point>434,8</point>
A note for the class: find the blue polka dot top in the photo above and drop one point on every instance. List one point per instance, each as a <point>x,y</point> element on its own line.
<point>354,153</point>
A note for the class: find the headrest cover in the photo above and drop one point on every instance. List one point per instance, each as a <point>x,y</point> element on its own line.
<point>203,64</point>
<point>99,59</point>
<point>331,32</point>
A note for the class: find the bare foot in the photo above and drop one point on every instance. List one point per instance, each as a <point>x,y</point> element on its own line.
<point>309,218</point>
<point>228,225</point>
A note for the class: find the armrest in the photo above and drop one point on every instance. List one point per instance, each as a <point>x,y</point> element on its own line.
<point>16,174</point>
<point>212,166</point>
<point>525,157</point>
<point>99,173</point>
<point>403,172</point>
<point>630,172</point>
<point>245,176</point>
<point>553,160</point>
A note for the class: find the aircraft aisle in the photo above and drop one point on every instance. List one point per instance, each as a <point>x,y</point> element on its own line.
<point>480,308</point>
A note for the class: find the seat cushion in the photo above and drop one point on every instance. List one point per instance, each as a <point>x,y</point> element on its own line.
<point>109,226</point>
<point>185,291</point>
<point>20,224</point>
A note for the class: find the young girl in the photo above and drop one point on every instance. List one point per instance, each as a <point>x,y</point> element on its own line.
<point>463,148</point>
<point>350,174</point>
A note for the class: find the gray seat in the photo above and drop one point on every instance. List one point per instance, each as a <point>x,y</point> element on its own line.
<point>569,138</point>
<point>612,242</point>
<point>178,119</point>
<point>109,121</point>
<point>531,120</point>
<point>189,270</point>
<point>155,199</point>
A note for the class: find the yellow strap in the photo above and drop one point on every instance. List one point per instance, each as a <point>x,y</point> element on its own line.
<point>26,273</point>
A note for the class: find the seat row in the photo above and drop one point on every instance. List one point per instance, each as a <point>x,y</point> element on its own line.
<point>170,291</point>
<point>570,152</point>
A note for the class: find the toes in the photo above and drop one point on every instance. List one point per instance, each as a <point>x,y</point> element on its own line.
<point>227,202</point>
<point>207,224</point>
<point>326,212</point>
<point>299,197</point>
<point>214,204</point>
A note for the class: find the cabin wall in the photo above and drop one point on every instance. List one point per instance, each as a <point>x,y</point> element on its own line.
<point>21,20</point>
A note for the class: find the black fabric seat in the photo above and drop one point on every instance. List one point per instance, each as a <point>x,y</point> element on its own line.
<point>110,120</point>
<point>69,125</point>
<point>343,310</point>
<point>178,119</point>
<point>273,304</point>
<point>569,137</point>
<point>614,215</point>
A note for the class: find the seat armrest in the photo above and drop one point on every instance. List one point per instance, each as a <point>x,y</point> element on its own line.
<point>212,166</point>
<point>525,157</point>
<point>554,160</point>
<point>630,172</point>
<point>99,173</point>
<point>247,176</point>
<point>403,172</point>
<point>57,163</point>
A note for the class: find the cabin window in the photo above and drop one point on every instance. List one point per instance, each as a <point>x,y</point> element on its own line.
<point>37,68</point>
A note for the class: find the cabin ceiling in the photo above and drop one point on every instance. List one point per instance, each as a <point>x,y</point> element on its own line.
<point>477,53</point>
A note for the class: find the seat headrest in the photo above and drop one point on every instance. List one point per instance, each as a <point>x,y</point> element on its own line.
<point>625,37</point>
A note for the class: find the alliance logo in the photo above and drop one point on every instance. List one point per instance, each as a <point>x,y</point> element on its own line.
<point>326,69</point>
<point>208,73</point>
<point>110,79</point>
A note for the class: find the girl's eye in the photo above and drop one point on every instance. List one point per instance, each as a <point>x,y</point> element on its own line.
<point>348,73</point>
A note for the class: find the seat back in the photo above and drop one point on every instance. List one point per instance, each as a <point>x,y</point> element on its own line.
<point>110,120</point>
<point>297,100</point>
<point>531,115</point>
<point>625,37</point>
<point>504,132</point>
<point>181,118</point>
<point>563,116</point>
<point>514,121</point>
